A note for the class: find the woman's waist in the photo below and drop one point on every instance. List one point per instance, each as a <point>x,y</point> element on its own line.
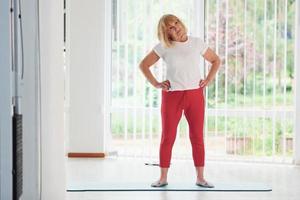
<point>183,84</point>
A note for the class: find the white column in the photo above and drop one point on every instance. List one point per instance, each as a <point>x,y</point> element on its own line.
<point>88,63</point>
<point>106,85</point>
<point>30,102</point>
<point>5,103</point>
<point>297,86</point>
<point>199,26</point>
<point>53,183</point>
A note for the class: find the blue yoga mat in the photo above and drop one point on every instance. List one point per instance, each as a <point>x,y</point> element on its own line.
<point>223,187</point>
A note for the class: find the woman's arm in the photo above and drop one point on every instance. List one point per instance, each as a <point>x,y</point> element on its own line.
<point>214,59</point>
<point>146,63</point>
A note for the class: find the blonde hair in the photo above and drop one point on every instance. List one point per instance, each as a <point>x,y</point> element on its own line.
<point>162,33</point>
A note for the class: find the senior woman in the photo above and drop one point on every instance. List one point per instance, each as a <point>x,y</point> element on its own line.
<point>182,91</point>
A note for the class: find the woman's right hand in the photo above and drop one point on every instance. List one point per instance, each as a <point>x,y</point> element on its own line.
<point>165,85</point>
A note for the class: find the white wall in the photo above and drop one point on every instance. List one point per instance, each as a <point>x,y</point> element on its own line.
<point>5,104</point>
<point>53,162</point>
<point>86,21</point>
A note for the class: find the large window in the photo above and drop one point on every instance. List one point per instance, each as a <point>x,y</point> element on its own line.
<point>250,103</point>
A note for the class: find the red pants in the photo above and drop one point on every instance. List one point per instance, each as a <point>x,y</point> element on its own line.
<point>172,105</point>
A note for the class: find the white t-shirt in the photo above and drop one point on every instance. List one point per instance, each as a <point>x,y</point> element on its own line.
<point>183,62</point>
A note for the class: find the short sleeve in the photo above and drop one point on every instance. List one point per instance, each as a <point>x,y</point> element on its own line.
<point>202,45</point>
<point>159,50</point>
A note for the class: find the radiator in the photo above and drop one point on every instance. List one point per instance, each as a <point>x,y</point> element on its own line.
<point>17,156</point>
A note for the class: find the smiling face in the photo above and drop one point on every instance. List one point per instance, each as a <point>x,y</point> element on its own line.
<point>176,30</point>
<point>170,28</point>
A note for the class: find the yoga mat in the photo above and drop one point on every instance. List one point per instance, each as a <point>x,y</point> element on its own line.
<point>113,187</point>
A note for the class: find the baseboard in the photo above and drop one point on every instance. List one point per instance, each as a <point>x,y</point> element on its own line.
<point>86,155</point>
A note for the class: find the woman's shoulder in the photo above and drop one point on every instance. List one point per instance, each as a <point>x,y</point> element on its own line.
<point>194,38</point>
<point>197,41</point>
<point>158,46</point>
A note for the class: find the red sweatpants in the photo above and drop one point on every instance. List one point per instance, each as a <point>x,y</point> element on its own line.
<point>172,105</point>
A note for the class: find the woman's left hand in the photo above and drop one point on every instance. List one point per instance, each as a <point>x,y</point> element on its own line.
<point>204,83</point>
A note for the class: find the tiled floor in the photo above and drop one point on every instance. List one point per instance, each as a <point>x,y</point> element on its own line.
<point>284,179</point>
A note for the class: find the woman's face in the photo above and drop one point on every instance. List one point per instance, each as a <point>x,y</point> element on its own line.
<point>175,30</point>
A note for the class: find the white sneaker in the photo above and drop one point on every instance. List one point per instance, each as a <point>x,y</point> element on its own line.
<point>159,184</point>
<point>205,184</point>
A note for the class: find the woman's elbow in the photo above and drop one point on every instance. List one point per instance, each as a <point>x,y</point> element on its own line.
<point>143,66</point>
<point>217,61</point>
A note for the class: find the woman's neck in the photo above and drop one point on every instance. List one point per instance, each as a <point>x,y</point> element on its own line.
<point>182,39</point>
